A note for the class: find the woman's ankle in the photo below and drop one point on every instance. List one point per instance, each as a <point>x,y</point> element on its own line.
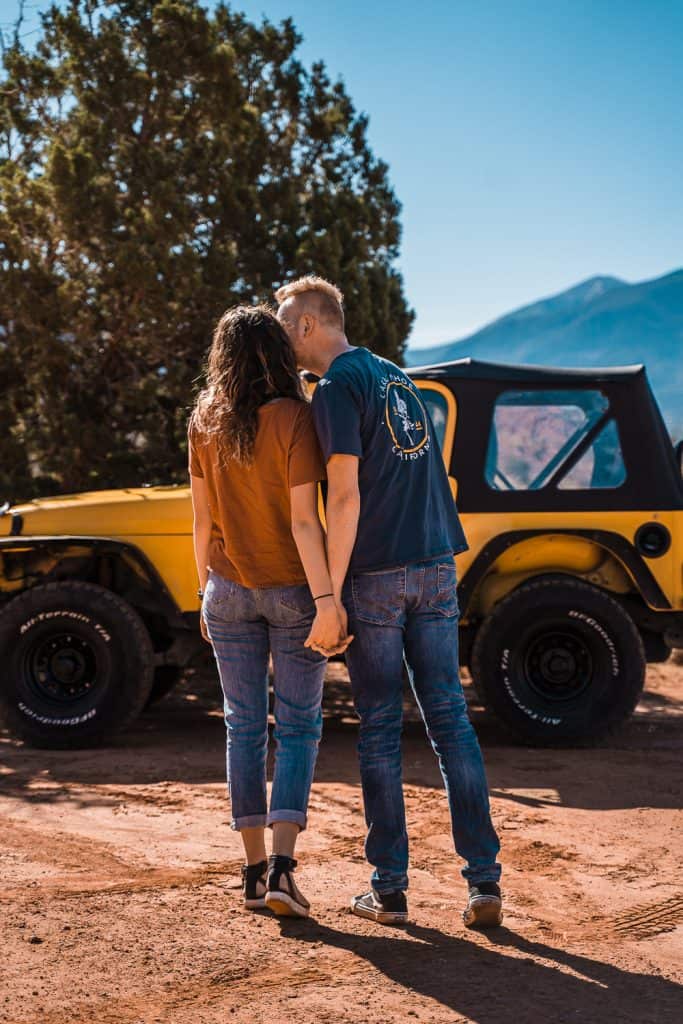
<point>285,835</point>
<point>254,842</point>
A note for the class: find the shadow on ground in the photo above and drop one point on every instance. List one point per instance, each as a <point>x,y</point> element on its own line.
<point>506,980</point>
<point>181,739</point>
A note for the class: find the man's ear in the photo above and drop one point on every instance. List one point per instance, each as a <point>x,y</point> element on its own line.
<point>307,324</point>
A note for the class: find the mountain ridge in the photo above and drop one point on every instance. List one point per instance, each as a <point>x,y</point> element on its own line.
<point>601,321</point>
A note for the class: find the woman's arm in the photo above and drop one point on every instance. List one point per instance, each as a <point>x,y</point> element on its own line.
<point>201,532</point>
<point>328,633</point>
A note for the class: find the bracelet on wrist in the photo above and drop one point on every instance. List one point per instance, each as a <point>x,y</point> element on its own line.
<point>321,596</point>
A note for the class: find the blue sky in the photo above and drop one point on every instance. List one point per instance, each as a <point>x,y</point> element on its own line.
<point>532,145</point>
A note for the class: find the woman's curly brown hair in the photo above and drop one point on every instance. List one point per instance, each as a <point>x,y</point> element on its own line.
<point>250,362</point>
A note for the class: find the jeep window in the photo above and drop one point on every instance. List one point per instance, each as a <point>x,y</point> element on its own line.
<point>600,466</point>
<point>437,407</point>
<point>561,439</point>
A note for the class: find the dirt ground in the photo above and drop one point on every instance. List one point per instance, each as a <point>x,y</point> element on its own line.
<point>120,897</point>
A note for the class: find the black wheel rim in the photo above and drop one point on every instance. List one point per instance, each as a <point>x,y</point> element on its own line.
<point>558,664</point>
<point>62,666</point>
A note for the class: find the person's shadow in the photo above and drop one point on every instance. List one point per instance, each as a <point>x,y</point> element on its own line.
<point>509,981</point>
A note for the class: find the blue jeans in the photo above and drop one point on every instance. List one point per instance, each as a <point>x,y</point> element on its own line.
<point>245,627</point>
<point>413,611</point>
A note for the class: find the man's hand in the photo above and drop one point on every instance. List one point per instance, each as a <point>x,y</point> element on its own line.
<point>343,617</point>
<point>202,626</point>
<point>328,633</point>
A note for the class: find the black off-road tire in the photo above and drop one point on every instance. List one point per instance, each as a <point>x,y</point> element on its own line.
<point>560,662</point>
<point>78,665</point>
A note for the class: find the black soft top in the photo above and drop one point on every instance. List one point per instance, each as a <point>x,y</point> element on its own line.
<point>478,369</point>
<point>653,475</point>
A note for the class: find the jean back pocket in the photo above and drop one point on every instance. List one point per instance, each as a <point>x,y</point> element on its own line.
<point>444,595</point>
<point>296,604</point>
<point>379,597</point>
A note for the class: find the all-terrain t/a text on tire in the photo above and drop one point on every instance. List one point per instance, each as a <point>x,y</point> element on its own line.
<point>560,662</point>
<point>78,664</point>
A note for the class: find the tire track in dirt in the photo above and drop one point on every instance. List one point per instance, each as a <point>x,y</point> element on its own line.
<point>641,922</point>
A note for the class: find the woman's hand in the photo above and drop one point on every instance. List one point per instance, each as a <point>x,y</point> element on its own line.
<point>343,617</point>
<point>328,632</point>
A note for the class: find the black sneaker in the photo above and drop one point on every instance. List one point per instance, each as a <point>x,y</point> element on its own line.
<point>254,885</point>
<point>385,907</point>
<point>283,897</point>
<point>484,907</point>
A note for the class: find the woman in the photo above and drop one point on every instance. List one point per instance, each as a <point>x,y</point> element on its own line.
<point>255,465</point>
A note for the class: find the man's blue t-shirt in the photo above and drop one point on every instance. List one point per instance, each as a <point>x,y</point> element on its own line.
<point>367,406</point>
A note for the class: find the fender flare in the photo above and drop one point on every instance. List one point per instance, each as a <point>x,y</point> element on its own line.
<point>102,546</point>
<point>615,543</point>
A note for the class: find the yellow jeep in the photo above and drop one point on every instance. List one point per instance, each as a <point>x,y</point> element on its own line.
<point>571,496</point>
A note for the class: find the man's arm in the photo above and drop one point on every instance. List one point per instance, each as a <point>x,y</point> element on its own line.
<point>336,411</point>
<point>342,513</point>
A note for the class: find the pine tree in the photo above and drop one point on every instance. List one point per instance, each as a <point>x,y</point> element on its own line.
<point>159,163</point>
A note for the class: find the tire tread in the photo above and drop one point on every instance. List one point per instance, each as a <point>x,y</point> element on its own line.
<point>22,604</point>
<point>486,691</point>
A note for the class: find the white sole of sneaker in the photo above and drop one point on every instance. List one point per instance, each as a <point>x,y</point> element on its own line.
<point>483,912</point>
<point>381,916</point>
<point>257,904</point>
<point>284,905</point>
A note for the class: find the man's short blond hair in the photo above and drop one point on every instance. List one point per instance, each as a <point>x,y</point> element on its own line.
<point>327,298</point>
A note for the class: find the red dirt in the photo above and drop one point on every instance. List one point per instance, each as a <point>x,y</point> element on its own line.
<point>120,888</point>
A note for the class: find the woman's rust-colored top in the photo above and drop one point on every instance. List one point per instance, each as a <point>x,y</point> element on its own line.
<point>251,534</point>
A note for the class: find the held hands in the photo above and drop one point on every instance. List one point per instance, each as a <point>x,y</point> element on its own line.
<point>329,632</point>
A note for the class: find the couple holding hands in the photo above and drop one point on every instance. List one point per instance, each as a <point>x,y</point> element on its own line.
<point>379,584</point>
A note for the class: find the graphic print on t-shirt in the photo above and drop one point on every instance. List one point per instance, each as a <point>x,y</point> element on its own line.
<point>406,419</point>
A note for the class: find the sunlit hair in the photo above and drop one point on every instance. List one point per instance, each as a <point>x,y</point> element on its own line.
<point>251,361</point>
<point>324,296</point>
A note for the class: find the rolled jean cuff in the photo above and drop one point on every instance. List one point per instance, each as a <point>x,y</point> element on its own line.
<point>475,876</point>
<point>248,821</point>
<point>396,883</point>
<point>296,817</point>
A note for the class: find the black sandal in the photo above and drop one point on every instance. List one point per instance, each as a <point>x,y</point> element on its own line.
<point>283,897</point>
<point>254,885</point>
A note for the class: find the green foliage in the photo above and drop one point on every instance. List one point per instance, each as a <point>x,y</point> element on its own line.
<point>158,163</point>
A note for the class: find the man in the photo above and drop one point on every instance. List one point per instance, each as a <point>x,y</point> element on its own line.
<point>392,530</point>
